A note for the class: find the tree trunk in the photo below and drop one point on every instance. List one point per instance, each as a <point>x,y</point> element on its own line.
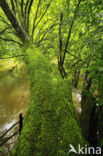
<point>50,117</point>
<point>14,21</point>
<point>76,78</point>
<point>86,117</point>
<point>61,69</point>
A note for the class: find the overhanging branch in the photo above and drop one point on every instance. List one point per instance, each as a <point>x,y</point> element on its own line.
<point>13,6</point>
<point>22,11</point>
<point>60,37</point>
<point>35,18</point>
<point>11,40</point>
<point>3,31</point>
<point>70,30</point>
<point>29,9</point>
<point>4,21</point>
<point>40,19</point>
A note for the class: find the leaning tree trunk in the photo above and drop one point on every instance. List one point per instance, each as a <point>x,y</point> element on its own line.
<point>50,123</point>
<point>14,21</point>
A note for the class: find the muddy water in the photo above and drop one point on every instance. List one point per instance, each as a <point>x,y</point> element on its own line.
<point>14,99</point>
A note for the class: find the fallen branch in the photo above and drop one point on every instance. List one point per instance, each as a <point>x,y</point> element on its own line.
<point>9,130</point>
<point>6,139</point>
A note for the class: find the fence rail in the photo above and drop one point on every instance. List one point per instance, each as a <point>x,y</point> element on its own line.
<point>4,139</point>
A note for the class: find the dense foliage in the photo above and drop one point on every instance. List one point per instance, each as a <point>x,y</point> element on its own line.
<point>69,35</point>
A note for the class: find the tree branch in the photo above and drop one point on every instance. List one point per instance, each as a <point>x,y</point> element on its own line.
<point>70,30</point>
<point>60,37</point>
<point>44,32</point>
<point>26,6</point>
<point>43,39</point>
<point>29,9</point>
<point>13,6</point>
<point>74,56</point>
<point>9,129</point>
<point>22,3</point>
<point>41,18</point>
<point>8,138</point>
<point>15,23</point>
<point>4,21</point>
<point>3,31</point>
<point>35,18</point>
<point>19,12</point>
<point>11,40</point>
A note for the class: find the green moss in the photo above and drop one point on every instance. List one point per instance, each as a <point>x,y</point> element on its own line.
<point>50,123</point>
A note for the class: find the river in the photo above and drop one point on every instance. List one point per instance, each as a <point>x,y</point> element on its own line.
<point>14,98</point>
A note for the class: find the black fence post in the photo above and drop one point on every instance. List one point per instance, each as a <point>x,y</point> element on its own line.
<point>20,122</point>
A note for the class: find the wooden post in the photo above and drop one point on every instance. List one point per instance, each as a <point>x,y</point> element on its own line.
<point>20,123</point>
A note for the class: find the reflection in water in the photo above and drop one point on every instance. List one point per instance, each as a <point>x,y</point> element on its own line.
<point>13,100</point>
<point>76,96</point>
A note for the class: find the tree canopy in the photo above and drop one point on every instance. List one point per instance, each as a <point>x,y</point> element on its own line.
<point>69,35</point>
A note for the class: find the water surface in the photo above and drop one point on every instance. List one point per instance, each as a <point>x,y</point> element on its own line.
<point>14,98</point>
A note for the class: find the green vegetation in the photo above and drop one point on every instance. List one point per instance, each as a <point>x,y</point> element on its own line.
<point>50,124</point>
<point>61,44</point>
